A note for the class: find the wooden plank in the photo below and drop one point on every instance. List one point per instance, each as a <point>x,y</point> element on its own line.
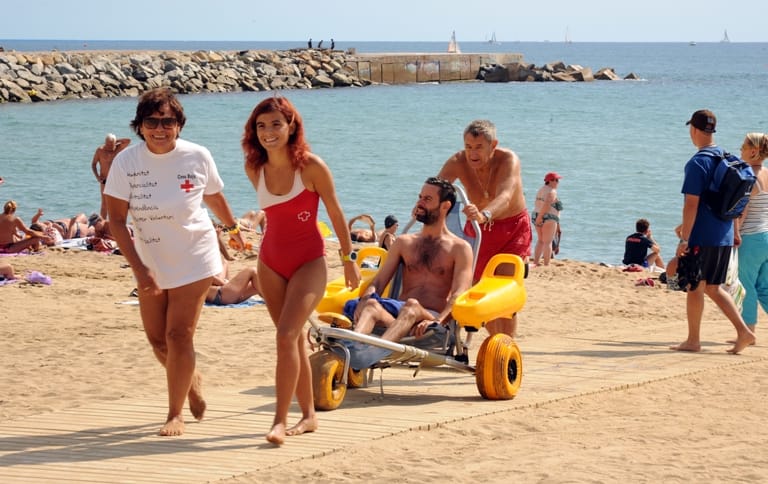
<point>116,441</point>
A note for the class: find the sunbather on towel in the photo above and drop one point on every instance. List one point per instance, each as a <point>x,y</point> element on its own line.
<point>437,267</point>
<point>223,290</point>
<point>6,272</point>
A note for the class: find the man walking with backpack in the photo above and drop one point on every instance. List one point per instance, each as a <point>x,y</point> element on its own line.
<point>707,240</point>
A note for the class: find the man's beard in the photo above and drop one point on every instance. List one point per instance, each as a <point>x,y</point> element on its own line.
<point>428,217</point>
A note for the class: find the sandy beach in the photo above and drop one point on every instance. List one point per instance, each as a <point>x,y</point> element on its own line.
<point>75,342</point>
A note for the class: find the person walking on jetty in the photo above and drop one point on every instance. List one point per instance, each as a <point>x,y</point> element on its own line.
<point>494,184</point>
<point>706,240</point>
<point>163,183</point>
<point>102,161</point>
<point>290,180</point>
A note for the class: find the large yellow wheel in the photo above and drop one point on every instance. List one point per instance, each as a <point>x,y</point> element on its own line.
<point>499,369</point>
<point>327,373</point>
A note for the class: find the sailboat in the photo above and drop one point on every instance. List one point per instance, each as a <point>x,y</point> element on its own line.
<point>725,36</point>
<point>493,40</point>
<point>567,36</point>
<point>453,46</point>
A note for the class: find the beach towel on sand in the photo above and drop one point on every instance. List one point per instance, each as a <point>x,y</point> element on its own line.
<point>251,301</point>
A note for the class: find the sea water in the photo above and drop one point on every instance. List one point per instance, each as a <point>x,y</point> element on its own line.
<point>620,146</point>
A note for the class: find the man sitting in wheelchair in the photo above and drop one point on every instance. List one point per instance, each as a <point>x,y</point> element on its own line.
<point>436,269</point>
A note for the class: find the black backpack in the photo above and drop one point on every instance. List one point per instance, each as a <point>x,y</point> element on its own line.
<point>730,185</point>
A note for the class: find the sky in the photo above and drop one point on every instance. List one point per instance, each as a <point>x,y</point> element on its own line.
<point>391,20</point>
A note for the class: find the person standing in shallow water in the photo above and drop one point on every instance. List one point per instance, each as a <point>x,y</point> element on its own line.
<point>163,183</point>
<point>290,181</point>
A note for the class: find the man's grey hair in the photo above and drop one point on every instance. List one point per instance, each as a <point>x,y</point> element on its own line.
<point>481,127</point>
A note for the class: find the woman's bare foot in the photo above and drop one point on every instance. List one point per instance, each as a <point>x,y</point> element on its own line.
<point>174,426</point>
<point>686,346</point>
<point>305,425</point>
<point>742,342</point>
<point>733,342</point>
<point>750,327</point>
<point>277,434</point>
<point>197,404</point>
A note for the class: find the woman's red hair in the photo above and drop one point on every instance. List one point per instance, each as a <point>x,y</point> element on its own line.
<point>255,154</point>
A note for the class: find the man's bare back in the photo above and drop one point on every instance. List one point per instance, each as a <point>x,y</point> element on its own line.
<point>8,229</point>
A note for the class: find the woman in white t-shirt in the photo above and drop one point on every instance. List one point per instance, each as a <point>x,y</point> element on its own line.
<point>162,183</point>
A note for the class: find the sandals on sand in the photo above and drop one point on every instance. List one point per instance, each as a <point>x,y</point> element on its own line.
<point>633,268</point>
<point>645,282</point>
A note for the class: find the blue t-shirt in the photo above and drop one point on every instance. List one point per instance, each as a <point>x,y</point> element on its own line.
<point>708,229</point>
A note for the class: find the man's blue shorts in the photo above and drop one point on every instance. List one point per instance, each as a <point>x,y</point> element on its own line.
<point>392,306</point>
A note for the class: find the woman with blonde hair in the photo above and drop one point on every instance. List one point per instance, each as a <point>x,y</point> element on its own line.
<point>751,232</point>
<point>11,227</point>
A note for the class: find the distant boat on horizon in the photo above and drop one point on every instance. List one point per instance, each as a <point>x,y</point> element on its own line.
<point>567,36</point>
<point>453,46</point>
<point>725,36</point>
<point>692,43</point>
<point>493,40</point>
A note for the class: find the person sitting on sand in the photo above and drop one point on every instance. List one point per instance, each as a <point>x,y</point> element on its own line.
<point>225,291</point>
<point>11,228</point>
<point>437,269</point>
<point>388,235</point>
<point>637,245</point>
<point>100,227</point>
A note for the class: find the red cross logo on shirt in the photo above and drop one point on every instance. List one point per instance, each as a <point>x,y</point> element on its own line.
<point>187,186</point>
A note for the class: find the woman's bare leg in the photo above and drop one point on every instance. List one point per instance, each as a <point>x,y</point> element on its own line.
<point>170,320</point>
<point>292,373</point>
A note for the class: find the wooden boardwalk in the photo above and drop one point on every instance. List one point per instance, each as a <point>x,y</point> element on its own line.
<point>116,441</point>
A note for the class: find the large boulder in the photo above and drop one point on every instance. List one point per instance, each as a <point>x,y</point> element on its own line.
<point>607,74</point>
<point>497,73</point>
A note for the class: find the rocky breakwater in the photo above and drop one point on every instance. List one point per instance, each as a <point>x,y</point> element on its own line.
<point>32,77</point>
<point>555,71</point>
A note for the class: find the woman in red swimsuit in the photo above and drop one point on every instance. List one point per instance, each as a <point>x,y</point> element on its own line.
<point>290,181</point>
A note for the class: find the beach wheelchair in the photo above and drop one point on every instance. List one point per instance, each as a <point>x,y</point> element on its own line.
<point>347,359</point>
